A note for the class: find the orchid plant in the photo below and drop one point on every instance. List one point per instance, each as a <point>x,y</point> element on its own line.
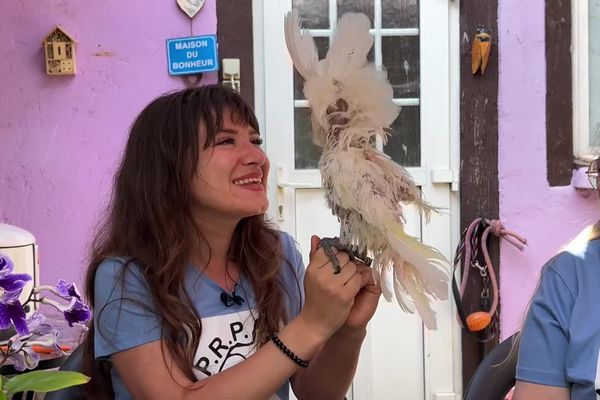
<point>35,330</point>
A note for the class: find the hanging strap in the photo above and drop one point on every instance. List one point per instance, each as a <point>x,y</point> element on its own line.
<point>467,252</point>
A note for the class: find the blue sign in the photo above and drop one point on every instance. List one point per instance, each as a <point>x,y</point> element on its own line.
<point>191,55</point>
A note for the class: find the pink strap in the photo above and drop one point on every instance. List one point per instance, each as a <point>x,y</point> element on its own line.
<point>496,227</point>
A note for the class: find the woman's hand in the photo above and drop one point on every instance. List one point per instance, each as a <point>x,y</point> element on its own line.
<point>329,296</point>
<point>365,302</point>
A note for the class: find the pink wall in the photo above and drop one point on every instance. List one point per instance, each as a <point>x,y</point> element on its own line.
<point>547,217</point>
<point>60,137</point>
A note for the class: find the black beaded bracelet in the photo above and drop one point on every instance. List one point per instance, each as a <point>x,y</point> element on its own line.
<point>288,352</point>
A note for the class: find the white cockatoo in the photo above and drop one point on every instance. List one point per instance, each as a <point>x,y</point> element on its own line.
<point>352,105</point>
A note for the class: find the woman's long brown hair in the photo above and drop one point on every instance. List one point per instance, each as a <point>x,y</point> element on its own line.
<point>149,221</point>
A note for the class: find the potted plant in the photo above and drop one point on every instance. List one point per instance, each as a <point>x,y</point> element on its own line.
<point>35,331</point>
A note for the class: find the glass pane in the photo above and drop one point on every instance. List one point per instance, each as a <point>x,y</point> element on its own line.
<point>322,47</point>
<point>306,154</point>
<point>371,55</point>
<point>314,13</point>
<point>404,144</point>
<point>594,55</point>
<point>363,6</point>
<point>400,13</point>
<point>400,55</point>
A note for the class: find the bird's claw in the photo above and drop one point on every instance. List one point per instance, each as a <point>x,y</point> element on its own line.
<point>328,244</point>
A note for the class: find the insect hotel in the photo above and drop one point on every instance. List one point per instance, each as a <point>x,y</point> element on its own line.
<point>59,50</point>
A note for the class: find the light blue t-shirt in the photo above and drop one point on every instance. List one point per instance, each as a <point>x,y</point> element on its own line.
<point>561,336</point>
<point>124,315</point>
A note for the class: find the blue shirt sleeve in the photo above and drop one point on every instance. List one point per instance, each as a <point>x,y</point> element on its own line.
<point>293,270</point>
<point>545,336</point>
<point>124,314</point>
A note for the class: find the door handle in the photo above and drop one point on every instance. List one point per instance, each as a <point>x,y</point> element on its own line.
<point>293,185</point>
<point>282,182</point>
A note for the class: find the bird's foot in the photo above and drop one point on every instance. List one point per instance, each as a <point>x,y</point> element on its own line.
<point>328,244</point>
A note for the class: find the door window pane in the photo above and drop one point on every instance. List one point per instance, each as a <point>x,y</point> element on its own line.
<point>404,143</point>
<point>306,153</point>
<point>399,14</point>
<point>314,13</point>
<point>363,6</point>
<point>400,56</point>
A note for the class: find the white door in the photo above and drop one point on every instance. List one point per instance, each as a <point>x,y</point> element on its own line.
<point>415,41</point>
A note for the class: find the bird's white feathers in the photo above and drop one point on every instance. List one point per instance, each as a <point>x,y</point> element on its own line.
<point>352,104</point>
<point>301,46</point>
<point>350,46</point>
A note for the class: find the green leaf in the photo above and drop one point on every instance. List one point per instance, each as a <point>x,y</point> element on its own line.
<point>3,381</point>
<point>44,381</point>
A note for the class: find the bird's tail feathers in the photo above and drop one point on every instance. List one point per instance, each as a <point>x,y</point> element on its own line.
<point>406,280</point>
<point>401,280</point>
<point>386,277</point>
<point>416,253</point>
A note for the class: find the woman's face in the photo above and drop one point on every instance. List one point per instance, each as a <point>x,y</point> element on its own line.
<point>232,174</point>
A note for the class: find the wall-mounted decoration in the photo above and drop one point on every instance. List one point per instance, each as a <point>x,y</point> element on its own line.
<point>59,51</point>
<point>480,50</point>
<point>190,7</point>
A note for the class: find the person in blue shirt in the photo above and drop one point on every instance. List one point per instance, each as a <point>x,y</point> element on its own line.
<point>560,341</point>
<point>195,295</point>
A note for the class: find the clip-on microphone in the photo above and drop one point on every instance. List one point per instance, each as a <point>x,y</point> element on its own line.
<point>230,299</point>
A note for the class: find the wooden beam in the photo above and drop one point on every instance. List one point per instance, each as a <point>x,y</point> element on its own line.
<point>559,101</point>
<point>234,35</point>
<point>479,152</point>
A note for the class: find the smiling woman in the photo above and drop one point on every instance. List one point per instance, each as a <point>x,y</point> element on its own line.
<point>233,170</point>
<point>195,294</point>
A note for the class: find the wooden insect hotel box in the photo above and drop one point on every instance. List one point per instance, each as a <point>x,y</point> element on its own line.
<point>59,50</point>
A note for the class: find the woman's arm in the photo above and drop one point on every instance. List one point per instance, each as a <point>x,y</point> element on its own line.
<point>149,375</point>
<point>533,391</point>
<point>331,372</point>
<point>329,300</point>
<point>541,370</point>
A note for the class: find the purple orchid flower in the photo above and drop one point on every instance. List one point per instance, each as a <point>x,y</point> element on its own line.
<point>67,290</point>
<point>10,282</point>
<point>75,313</point>
<point>40,333</point>
<point>38,326</point>
<point>78,313</point>
<point>23,356</point>
<point>13,313</point>
<point>11,286</point>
